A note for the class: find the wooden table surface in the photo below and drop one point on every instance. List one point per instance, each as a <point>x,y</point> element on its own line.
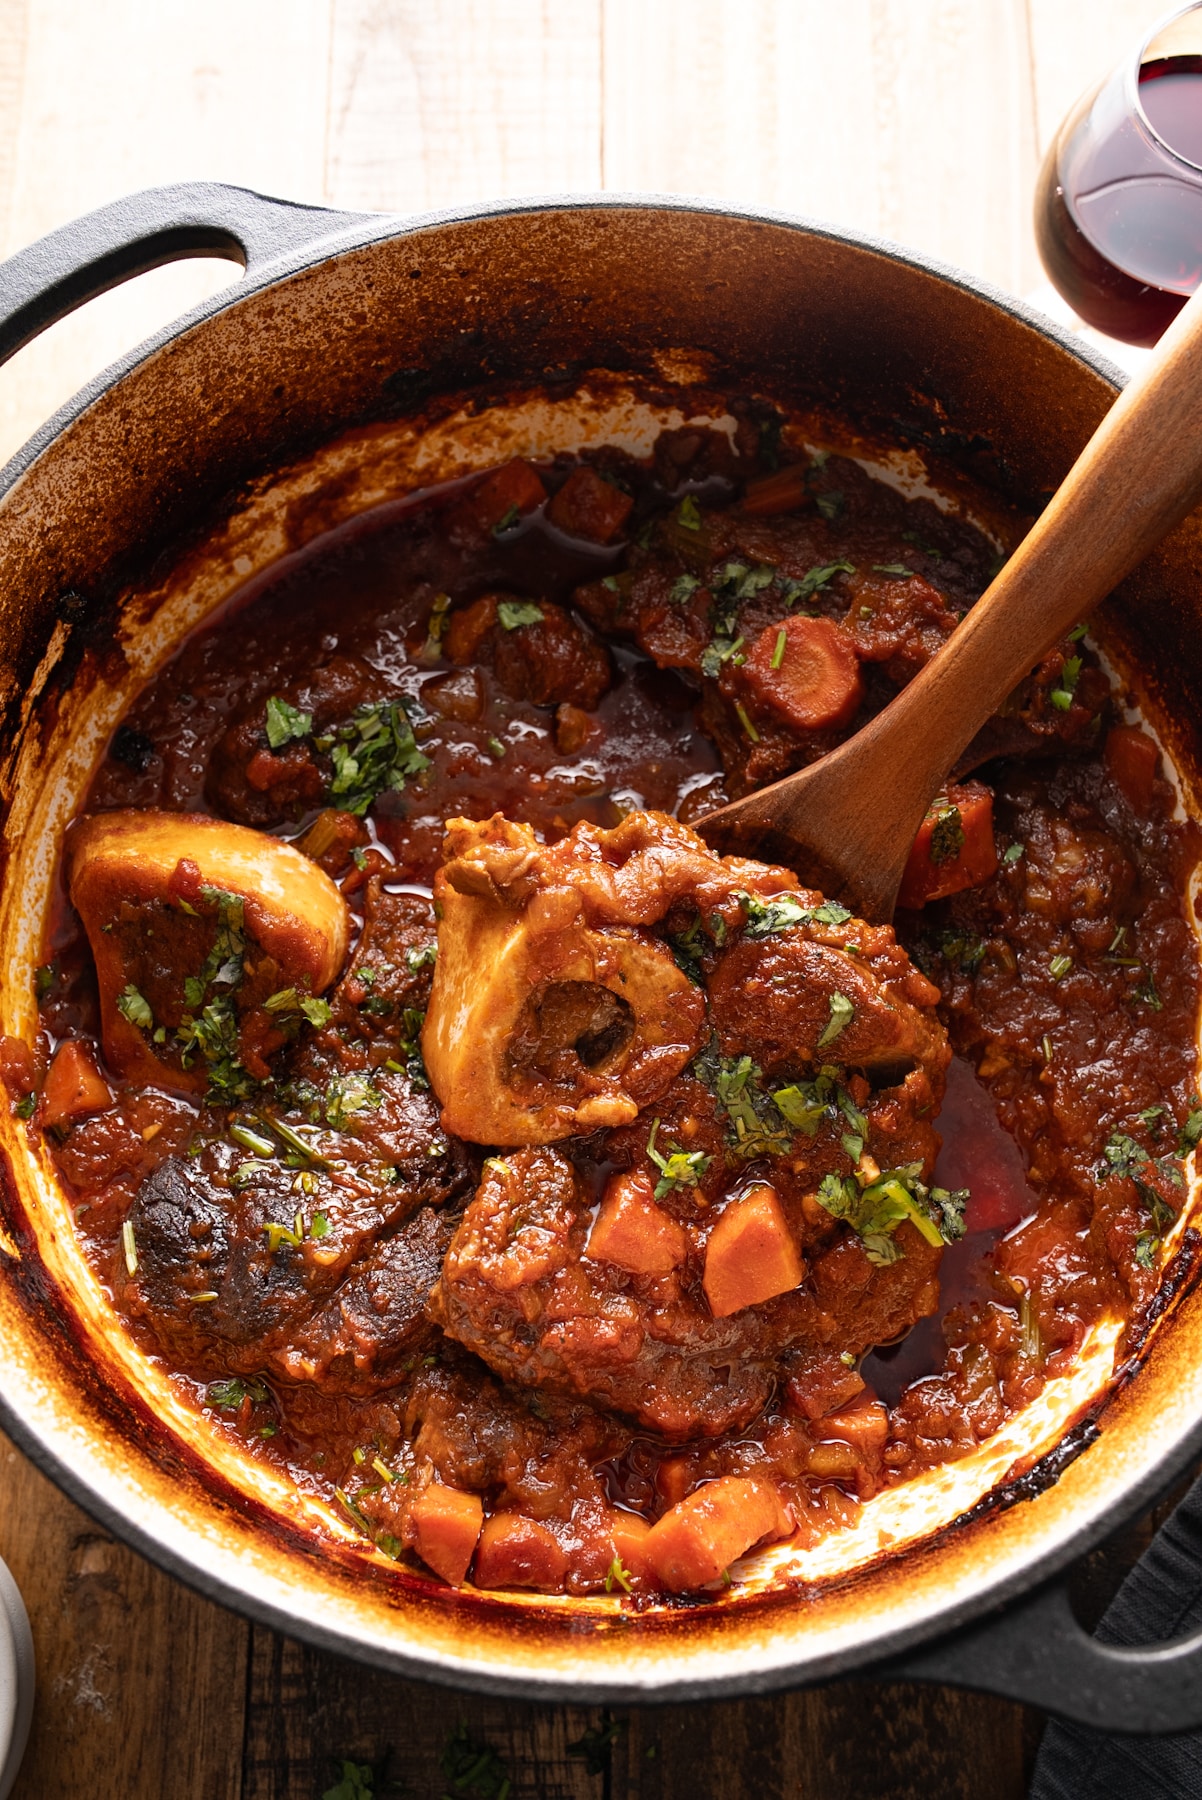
<point>920,120</point>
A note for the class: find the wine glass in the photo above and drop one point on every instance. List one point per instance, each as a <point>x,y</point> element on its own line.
<point>1118,208</point>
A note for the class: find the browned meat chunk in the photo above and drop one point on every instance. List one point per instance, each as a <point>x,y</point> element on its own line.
<point>540,653</point>
<point>519,1288</point>
<point>256,784</point>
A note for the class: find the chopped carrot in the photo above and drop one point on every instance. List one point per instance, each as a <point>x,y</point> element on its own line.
<point>806,670</point>
<point>588,506</point>
<point>751,1255</point>
<point>1131,759</point>
<point>446,1524</point>
<point>518,1552</point>
<point>864,1425</point>
<point>74,1087</point>
<point>783,491</point>
<point>467,629</point>
<point>954,848</point>
<point>701,1536</point>
<point>632,1232</point>
<point>515,488</point>
<point>630,1533</point>
<point>673,1478</point>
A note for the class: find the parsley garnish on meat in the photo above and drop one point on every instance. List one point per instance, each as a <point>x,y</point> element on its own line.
<point>680,1168</point>
<point>731,585</point>
<point>682,589</point>
<point>514,613</point>
<point>756,1125</point>
<point>947,835</point>
<point>898,569</point>
<point>766,917</point>
<point>875,1211</point>
<point>135,1007</point>
<point>796,593</point>
<point>842,1013</point>
<point>830,504</point>
<point>688,947</point>
<point>374,753</point>
<point>284,723</point>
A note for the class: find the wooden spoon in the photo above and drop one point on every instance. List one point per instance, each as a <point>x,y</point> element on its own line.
<point>847,822</point>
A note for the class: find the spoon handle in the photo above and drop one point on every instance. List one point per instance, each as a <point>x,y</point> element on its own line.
<point>856,811</point>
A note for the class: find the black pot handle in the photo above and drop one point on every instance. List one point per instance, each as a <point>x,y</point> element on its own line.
<point>77,262</point>
<point>1036,1652</point>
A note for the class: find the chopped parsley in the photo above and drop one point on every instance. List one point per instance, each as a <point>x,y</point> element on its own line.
<point>283,723</point>
<point>756,1123</point>
<point>1013,853</point>
<point>134,1007</point>
<point>1126,1159</point>
<point>228,1395</point>
<point>346,1095</point>
<point>471,1766</point>
<point>679,1168</point>
<point>289,1002</point>
<point>830,504</point>
<point>43,980</point>
<point>374,753</point>
<point>798,592</point>
<point>1059,967</point>
<point>357,1782</point>
<point>1191,1131</point>
<point>778,651</point>
<point>688,514</point>
<point>509,519</point>
<point>421,958</point>
<point>688,947</point>
<point>1061,696</point>
<point>594,1746</point>
<point>617,1576</point>
<point>514,613</point>
<point>947,833</point>
<point>842,1013</point>
<point>898,569</point>
<point>683,588</point>
<point>767,917</point>
<point>1147,992</point>
<point>874,1212</point>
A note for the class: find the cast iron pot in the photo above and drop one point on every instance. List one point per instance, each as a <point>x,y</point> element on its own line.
<point>361,357</point>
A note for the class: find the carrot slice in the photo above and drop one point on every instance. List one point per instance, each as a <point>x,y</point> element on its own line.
<point>954,848</point>
<point>701,1536</point>
<point>515,488</point>
<point>751,1255</point>
<point>1131,759</point>
<point>588,506</point>
<point>630,1533</point>
<point>518,1552</point>
<point>807,671</point>
<point>782,491</point>
<point>446,1524</point>
<point>74,1087</point>
<point>632,1232</point>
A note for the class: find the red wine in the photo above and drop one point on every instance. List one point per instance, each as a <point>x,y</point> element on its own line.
<point>1170,92</point>
<point>1118,218</point>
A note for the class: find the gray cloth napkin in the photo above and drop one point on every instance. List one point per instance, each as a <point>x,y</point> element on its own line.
<point>1160,1599</point>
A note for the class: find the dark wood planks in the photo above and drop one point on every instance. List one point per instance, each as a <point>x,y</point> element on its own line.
<point>148,1692</point>
<point>141,1684</point>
